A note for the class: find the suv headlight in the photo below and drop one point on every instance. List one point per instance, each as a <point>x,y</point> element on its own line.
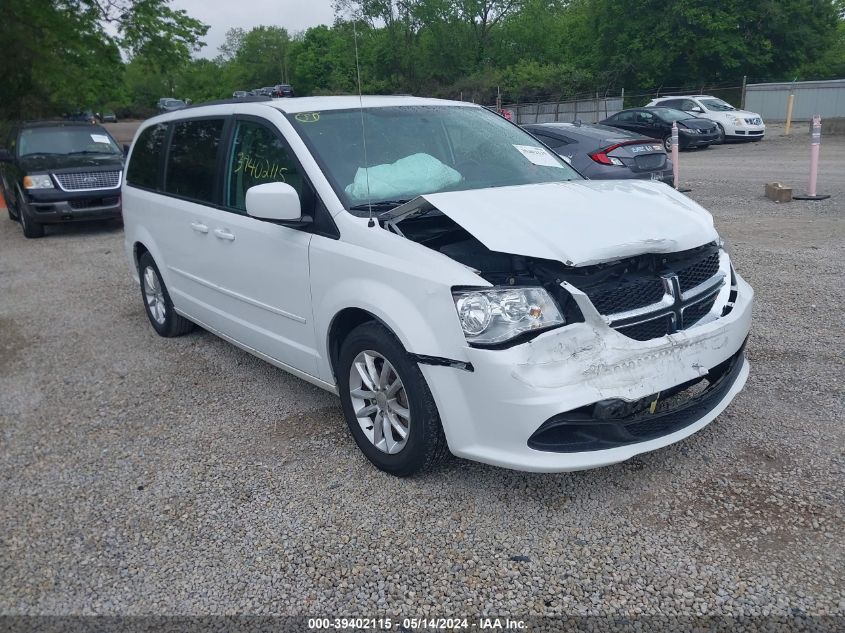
<point>498,314</point>
<point>41,181</point>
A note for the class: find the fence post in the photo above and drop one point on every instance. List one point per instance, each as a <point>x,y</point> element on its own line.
<point>742,99</point>
<point>815,146</point>
<point>623,97</point>
<point>557,110</point>
<point>790,101</point>
<point>675,166</point>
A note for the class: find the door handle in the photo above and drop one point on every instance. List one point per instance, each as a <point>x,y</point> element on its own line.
<point>224,234</point>
<point>199,227</point>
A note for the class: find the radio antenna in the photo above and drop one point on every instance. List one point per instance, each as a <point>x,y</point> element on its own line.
<point>371,223</point>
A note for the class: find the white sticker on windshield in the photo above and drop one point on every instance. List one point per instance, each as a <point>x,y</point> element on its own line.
<point>100,138</point>
<point>538,156</point>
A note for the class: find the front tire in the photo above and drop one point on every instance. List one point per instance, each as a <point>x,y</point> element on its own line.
<point>157,303</point>
<point>721,138</point>
<point>31,229</point>
<point>388,406</point>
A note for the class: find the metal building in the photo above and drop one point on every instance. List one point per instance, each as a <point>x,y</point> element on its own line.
<point>826,98</point>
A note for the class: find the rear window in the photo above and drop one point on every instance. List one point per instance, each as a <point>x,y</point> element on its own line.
<point>192,162</point>
<point>144,164</point>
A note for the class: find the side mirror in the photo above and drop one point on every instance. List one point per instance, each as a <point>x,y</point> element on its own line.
<point>6,156</point>
<point>696,109</point>
<point>276,202</point>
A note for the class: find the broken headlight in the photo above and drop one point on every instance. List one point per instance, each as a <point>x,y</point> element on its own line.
<point>499,314</point>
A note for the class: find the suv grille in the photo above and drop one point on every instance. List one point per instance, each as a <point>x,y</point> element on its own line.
<point>89,180</point>
<point>653,304</point>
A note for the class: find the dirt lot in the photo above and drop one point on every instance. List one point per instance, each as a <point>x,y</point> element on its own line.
<point>141,475</point>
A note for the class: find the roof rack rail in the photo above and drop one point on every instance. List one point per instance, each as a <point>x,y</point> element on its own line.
<point>250,99</point>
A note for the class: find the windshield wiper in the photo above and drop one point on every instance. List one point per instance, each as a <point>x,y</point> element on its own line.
<point>379,205</point>
<point>91,151</point>
<point>43,154</point>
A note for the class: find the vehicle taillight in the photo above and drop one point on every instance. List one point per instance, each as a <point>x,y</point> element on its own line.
<point>601,156</point>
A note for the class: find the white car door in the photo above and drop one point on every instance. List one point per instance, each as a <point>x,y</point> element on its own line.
<point>180,217</point>
<point>257,274</point>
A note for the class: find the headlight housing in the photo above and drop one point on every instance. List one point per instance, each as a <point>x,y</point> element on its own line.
<point>496,315</point>
<point>39,181</point>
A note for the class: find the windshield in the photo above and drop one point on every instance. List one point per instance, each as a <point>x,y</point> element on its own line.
<point>415,150</point>
<point>670,114</point>
<point>717,105</point>
<point>66,140</point>
<point>170,103</point>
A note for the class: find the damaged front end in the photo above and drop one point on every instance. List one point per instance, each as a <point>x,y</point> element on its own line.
<point>642,297</point>
<point>650,349</point>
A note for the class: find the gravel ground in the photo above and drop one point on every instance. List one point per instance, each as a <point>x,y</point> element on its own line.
<point>142,476</point>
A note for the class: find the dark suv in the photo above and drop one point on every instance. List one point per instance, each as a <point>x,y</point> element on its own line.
<point>283,90</point>
<point>54,172</point>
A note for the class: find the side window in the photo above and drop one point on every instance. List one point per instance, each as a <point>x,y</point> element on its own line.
<point>192,161</point>
<point>258,156</point>
<point>645,117</point>
<point>671,103</point>
<point>688,104</point>
<point>624,116</point>
<point>143,168</point>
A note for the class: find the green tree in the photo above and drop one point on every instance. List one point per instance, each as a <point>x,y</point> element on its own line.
<point>262,57</point>
<point>59,54</point>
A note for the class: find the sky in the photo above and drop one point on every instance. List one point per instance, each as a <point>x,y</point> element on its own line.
<point>221,15</point>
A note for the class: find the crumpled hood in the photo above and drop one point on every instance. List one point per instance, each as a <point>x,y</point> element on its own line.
<point>580,222</point>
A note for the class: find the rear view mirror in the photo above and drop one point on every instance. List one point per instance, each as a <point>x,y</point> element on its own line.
<point>275,201</point>
<point>6,156</point>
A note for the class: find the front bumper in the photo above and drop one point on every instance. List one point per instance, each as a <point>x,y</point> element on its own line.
<point>745,131</point>
<point>490,414</point>
<point>697,140</point>
<point>60,206</point>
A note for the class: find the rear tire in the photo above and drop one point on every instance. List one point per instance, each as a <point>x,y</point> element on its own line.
<point>371,363</point>
<point>157,303</point>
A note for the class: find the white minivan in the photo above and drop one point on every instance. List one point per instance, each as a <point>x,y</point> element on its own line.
<point>459,286</point>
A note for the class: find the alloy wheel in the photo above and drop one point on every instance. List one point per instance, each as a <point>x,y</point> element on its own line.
<point>380,401</point>
<point>154,296</point>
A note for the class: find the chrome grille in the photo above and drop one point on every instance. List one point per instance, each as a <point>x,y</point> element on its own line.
<point>650,307</point>
<point>89,180</point>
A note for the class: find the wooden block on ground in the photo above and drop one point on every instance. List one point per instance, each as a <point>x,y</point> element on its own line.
<point>778,192</point>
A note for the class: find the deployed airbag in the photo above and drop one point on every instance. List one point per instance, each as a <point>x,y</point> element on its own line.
<point>406,178</point>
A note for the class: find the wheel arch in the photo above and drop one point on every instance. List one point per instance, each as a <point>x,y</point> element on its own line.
<point>342,325</point>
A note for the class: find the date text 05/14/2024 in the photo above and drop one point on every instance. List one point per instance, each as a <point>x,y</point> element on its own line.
<point>416,624</point>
